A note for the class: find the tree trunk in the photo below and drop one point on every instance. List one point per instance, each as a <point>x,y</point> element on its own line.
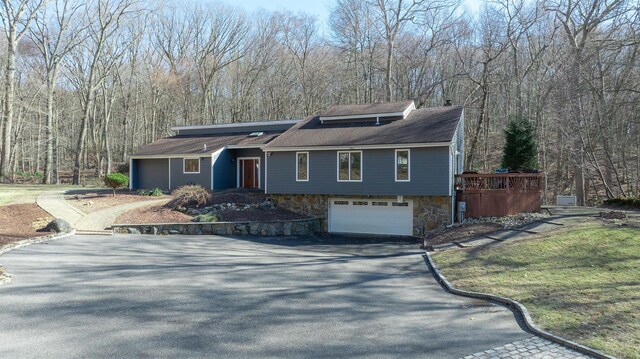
<point>81,138</point>
<point>48,162</point>
<point>8,106</point>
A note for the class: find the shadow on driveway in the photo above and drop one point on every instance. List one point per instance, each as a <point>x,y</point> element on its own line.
<point>207,296</point>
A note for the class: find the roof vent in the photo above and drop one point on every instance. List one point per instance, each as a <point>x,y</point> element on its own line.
<point>256,134</point>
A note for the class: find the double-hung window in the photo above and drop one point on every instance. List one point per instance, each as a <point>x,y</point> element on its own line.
<point>302,166</point>
<point>403,166</point>
<point>191,165</point>
<point>350,166</point>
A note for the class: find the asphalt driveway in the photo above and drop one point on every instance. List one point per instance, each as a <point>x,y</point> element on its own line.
<point>173,296</point>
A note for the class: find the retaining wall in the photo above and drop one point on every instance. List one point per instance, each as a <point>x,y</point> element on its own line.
<point>266,228</point>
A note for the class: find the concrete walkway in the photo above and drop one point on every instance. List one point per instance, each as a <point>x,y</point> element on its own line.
<point>56,205</point>
<point>103,219</point>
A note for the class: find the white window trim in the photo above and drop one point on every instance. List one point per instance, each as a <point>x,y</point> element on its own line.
<point>338,166</point>
<point>184,168</point>
<point>395,168</point>
<point>298,163</point>
<point>238,172</point>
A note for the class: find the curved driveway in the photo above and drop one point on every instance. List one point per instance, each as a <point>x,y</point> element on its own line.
<point>172,296</point>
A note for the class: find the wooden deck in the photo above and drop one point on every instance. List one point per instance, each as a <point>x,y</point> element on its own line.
<point>497,195</point>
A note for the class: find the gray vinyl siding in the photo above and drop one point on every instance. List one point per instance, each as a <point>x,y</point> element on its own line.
<point>150,173</point>
<point>429,173</point>
<point>250,152</point>
<point>247,129</point>
<point>179,179</point>
<point>224,171</point>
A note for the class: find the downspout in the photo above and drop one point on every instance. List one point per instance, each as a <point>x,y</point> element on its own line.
<point>452,183</point>
<point>130,173</point>
<point>266,170</point>
<point>169,159</point>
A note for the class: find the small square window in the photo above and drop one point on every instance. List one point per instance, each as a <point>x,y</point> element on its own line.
<point>191,165</point>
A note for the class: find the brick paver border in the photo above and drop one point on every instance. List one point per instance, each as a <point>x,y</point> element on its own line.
<point>519,308</point>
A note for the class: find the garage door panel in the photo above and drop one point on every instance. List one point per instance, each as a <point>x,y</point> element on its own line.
<point>370,218</point>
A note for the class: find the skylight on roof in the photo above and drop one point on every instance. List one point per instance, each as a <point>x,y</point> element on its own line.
<point>256,134</point>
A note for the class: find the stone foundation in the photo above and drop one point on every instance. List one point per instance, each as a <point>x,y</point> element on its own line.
<point>267,228</point>
<point>430,213</point>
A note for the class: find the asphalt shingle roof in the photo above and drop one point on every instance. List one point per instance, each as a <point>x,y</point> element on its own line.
<point>367,109</point>
<point>426,125</point>
<point>194,144</point>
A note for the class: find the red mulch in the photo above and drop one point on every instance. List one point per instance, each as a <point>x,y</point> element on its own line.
<point>463,233</point>
<point>154,214</point>
<point>92,202</point>
<point>22,221</point>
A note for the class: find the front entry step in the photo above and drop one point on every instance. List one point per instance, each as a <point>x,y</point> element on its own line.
<point>93,232</point>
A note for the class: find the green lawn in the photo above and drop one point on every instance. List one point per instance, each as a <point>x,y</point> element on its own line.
<point>26,193</point>
<point>581,283</point>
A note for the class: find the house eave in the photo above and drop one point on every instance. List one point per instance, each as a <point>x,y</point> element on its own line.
<point>187,155</point>
<point>358,147</point>
<point>236,125</point>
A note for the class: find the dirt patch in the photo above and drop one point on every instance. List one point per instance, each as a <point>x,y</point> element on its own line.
<point>463,233</point>
<point>92,202</point>
<point>275,214</point>
<point>22,221</point>
<point>154,214</point>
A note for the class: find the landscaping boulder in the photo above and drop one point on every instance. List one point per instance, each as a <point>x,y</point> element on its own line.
<point>613,215</point>
<point>59,225</point>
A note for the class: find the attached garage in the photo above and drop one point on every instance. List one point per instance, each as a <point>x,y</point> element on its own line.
<point>371,216</point>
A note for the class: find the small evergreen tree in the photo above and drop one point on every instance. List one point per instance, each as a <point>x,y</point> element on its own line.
<point>116,180</point>
<point>520,150</point>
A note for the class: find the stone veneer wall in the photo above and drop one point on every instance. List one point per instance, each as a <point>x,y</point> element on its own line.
<point>266,228</point>
<point>429,212</point>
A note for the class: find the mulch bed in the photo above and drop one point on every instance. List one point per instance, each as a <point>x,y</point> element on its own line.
<point>463,233</point>
<point>154,214</point>
<point>237,196</point>
<point>22,221</point>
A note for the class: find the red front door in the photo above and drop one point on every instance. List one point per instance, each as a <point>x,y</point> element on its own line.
<point>249,173</point>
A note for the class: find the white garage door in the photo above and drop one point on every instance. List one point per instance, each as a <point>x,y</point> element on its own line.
<point>371,216</point>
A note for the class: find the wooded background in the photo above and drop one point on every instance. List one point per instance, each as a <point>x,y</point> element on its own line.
<point>86,82</point>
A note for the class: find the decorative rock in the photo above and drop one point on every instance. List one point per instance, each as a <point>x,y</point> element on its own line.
<point>613,215</point>
<point>59,225</point>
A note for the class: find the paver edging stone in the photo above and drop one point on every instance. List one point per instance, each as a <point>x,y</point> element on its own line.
<point>6,277</point>
<point>521,309</point>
